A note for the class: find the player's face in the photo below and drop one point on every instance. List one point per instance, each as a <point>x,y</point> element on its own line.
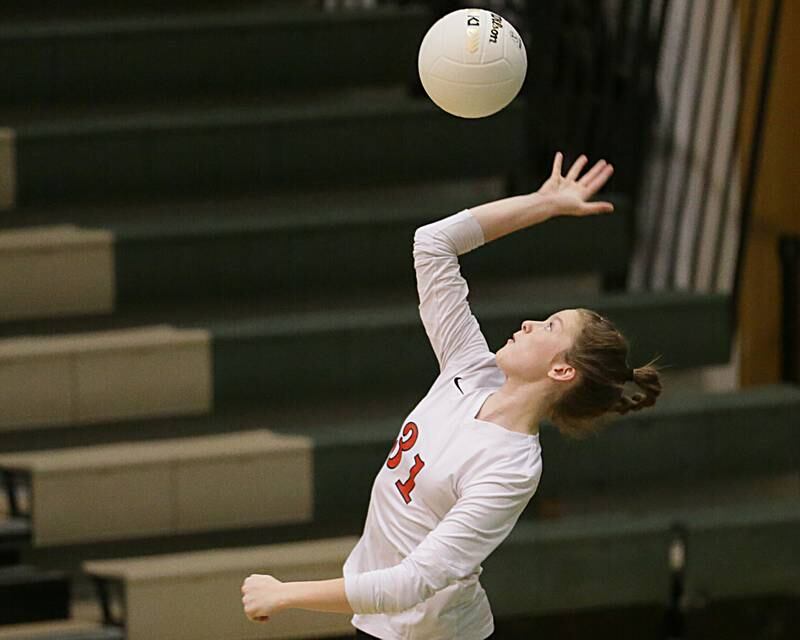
<point>538,345</point>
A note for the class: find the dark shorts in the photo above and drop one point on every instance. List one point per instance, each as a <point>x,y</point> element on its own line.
<point>361,634</point>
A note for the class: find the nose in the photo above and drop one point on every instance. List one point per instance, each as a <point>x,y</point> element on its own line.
<point>528,325</point>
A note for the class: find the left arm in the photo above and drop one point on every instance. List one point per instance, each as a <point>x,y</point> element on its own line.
<point>480,520</point>
<point>264,596</point>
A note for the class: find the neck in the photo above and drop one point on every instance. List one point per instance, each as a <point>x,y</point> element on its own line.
<point>518,406</point>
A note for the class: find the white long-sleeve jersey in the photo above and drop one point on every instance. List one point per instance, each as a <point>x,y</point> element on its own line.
<point>452,487</point>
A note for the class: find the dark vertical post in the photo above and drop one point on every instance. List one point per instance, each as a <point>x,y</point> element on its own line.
<point>104,599</point>
<point>630,110</point>
<point>666,149</point>
<point>543,20</point>
<point>675,615</point>
<point>790,262</point>
<point>650,109</point>
<point>612,66</point>
<point>11,493</point>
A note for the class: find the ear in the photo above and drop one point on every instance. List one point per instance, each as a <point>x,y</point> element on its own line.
<point>561,372</point>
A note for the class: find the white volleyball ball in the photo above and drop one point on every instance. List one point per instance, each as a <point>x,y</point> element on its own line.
<point>472,63</point>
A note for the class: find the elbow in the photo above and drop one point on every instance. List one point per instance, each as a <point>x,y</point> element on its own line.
<point>396,589</point>
<point>422,580</point>
<point>422,245</point>
<point>422,238</point>
<point>429,244</point>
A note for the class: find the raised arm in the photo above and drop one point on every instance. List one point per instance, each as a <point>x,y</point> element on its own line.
<point>558,196</point>
<point>452,329</point>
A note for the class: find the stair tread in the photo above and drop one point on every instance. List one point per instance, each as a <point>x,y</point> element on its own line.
<point>331,420</point>
<point>373,418</point>
<point>232,110</point>
<point>31,574</point>
<point>761,509</point>
<point>60,630</point>
<point>54,11</point>
<point>198,216</point>
<point>14,527</point>
<point>286,316</point>
<point>190,19</point>
<point>576,527</point>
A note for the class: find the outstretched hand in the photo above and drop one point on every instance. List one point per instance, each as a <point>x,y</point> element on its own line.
<point>569,195</point>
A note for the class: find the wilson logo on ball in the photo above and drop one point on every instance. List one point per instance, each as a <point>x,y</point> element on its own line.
<point>497,24</point>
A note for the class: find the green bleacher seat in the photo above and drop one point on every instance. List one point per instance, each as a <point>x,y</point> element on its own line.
<point>207,238</point>
<point>679,445</point>
<point>252,145</point>
<point>61,630</point>
<point>366,332</point>
<point>621,558</point>
<point>232,49</point>
<point>281,246</point>
<point>571,564</point>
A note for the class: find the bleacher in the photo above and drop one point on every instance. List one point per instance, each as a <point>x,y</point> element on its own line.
<point>209,326</point>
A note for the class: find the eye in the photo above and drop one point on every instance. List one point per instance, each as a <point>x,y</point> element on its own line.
<point>550,325</point>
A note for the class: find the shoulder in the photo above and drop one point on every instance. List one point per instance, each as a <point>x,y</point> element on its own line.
<point>515,468</point>
<point>478,369</point>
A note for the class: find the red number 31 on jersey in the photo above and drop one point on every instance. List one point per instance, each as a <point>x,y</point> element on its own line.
<point>406,441</point>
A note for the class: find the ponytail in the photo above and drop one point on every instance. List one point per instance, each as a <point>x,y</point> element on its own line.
<point>599,355</point>
<point>647,379</point>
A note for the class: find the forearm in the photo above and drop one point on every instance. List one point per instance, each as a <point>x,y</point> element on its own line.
<point>316,595</point>
<point>501,217</point>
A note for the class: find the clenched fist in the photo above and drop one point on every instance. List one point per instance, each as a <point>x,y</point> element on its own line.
<point>261,597</point>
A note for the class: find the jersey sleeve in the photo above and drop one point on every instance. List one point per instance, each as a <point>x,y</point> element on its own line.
<point>452,329</point>
<point>478,522</point>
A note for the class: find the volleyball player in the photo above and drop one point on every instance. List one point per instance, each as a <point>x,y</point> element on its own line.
<point>467,458</point>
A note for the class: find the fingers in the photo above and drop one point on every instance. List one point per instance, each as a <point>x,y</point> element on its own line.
<point>599,179</point>
<point>593,180</point>
<point>557,165</point>
<point>592,173</point>
<point>577,166</point>
<point>597,207</point>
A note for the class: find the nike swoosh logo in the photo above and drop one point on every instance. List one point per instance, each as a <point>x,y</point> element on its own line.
<point>456,381</point>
